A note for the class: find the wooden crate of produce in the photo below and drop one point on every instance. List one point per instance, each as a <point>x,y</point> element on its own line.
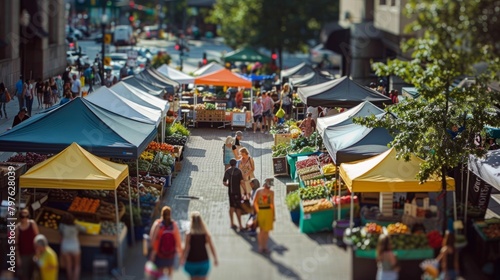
<point>106,211</point>
<point>87,215</point>
<point>282,138</point>
<point>50,217</point>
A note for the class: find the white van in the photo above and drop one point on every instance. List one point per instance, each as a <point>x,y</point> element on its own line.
<point>123,36</point>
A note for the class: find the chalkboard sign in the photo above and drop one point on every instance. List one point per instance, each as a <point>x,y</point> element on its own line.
<point>280,166</point>
<point>239,119</point>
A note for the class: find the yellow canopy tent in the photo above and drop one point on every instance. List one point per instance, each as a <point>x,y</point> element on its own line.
<point>76,169</point>
<point>385,173</point>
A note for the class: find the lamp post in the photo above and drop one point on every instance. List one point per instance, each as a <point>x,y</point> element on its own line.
<point>104,21</point>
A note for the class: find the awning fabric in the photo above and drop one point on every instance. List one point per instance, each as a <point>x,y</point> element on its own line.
<point>140,97</point>
<point>362,110</point>
<point>97,130</point>
<point>246,54</point>
<point>487,168</point>
<point>342,92</point>
<point>298,70</point>
<point>149,75</point>
<point>384,173</point>
<point>207,69</point>
<point>75,168</point>
<point>223,77</point>
<point>144,85</point>
<point>110,100</point>
<point>175,75</point>
<point>349,143</point>
<point>309,79</point>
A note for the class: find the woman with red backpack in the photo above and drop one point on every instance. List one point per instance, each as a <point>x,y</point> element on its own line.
<point>166,239</point>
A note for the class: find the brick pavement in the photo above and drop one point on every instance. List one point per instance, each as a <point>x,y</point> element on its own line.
<point>294,255</point>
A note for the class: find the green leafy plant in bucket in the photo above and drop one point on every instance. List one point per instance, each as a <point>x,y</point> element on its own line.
<point>292,201</point>
<point>180,129</point>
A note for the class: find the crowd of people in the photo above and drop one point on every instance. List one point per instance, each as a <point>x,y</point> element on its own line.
<point>243,188</point>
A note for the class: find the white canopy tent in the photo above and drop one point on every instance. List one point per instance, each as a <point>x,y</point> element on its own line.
<point>176,75</point>
<point>207,69</point>
<point>362,110</point>
<point>110,100</point>
<point>145,99</point>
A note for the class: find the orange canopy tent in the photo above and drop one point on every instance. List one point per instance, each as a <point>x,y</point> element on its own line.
<point>223,77</point>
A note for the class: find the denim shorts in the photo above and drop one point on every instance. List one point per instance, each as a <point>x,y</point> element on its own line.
<point>197,269</point>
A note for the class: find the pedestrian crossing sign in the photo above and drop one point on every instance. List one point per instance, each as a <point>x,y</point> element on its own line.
<point>107,61</point>
<point>107,39</point>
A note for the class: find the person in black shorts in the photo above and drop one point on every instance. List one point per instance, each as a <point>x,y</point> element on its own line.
<point>233,177</point>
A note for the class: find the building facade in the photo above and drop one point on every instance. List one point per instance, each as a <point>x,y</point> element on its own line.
<point>32,40</point>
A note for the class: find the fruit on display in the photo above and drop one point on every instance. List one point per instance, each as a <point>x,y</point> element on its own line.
<point>491,231</point>
<point>315,175</point>
<point>314,183</point>
<point>108,209</point>
<point>434,239</point>
<point>144,165</point>
<point>176,139</point>
<point>310,161</point>
<point>360,239</point>
<point>292,200</point>
<point>109,228</point>
<point>49,219</point>
<point>312,193</point>
<point>344,200</point>
<point>280,129</point>
<point>310,206</point>
<point>152,179</point>
<point>96,194</point>
<point>84,205</point>
<point>373,228</point>
<point>163,147</point>
<point>325,159</point>
<point>122,191</point>
<point>398,228</point>
<point>30,159</point>
<point>280,150</point>
<point>409,241</point>
<point>61,195</point>
<point>328,168</point>
<point>147,156</point>
<point>307,170</point>
<point>160,169</point>
<point>179,129</point>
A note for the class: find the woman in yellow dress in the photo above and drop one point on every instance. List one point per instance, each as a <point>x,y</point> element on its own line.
<point>265,210</point>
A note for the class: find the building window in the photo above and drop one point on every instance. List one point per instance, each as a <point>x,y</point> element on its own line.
<point>53,14</point>
<point>5,26</point>
<point>393,3</point>
<point>383,2</point>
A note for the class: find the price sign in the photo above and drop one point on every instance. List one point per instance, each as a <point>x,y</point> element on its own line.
<point>239,119</point>
<point>280,166</point>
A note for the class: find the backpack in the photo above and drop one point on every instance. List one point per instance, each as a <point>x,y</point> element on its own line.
<point>165,242</point>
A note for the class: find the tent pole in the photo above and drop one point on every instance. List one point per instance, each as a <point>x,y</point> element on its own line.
<point>351,219</point>
<point>118,234</point>
<point>251,100</point>
<point>163,128</point>
<point>137,185</point>
<point>132,226</point>
<point>455,205</point>
<point>466,200</point>
<point>337,176</point>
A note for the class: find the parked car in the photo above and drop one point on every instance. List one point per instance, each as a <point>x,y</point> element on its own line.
<point>123,36</point>
<point>319,54</point>
<point>72,58</point>
<point>119,58</point>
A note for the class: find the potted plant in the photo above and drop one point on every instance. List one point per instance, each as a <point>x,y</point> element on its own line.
<point>292,201</point>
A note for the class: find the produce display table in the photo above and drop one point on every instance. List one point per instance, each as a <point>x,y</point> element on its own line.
<point>487,249</point>
<point>316,221</point>
<point>90,246</point>
<point>210,116</point>
<point>292,159</point>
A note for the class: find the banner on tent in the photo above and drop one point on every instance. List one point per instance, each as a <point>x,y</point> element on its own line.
<point>479,193</point>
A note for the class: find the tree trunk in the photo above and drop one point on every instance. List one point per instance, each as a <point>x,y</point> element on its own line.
<point>445,206</point>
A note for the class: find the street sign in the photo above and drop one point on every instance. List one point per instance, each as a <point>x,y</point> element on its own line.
<point>107,39</point>
<point>107,61</point>
<point>132,54</point>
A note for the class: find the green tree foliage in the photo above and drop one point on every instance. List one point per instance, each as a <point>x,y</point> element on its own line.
<point>274,24</point>
<point>446,50</point>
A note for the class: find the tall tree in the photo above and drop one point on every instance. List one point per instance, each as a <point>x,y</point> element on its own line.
<point>440,126</point>
<point>274,24</point>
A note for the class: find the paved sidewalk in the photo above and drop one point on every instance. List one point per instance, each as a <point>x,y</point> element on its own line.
<point>294,255</point>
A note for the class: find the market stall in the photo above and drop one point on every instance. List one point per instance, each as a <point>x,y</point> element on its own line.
<point>151,76</point>
<point>342,92</point>
<point>309,79</point>
<point>76,169</point>
<point>207,69</point>
<point>175,74</point>
<point>221,77</point>
<point>387,175</point>
<point>298,70</point>
<point>144,86</point>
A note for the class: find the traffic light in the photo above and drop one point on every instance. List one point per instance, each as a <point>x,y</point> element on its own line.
<point>131,19</point>
<point>274,56</point>
<point>177,47</point>
<point>205,61</point>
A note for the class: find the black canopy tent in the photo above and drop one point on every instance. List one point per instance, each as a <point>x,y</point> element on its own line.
<point>313,78</point>
<point>342,92</point>
<point>298,70</point>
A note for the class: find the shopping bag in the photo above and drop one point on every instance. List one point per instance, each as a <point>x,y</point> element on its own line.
<point>281,113</point>
<point>246,207</point>
<point>7,97</point>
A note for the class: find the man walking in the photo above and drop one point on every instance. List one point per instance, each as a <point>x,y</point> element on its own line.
<point>20,92</point>
<point>76,87</point>
<point>233,178</point>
